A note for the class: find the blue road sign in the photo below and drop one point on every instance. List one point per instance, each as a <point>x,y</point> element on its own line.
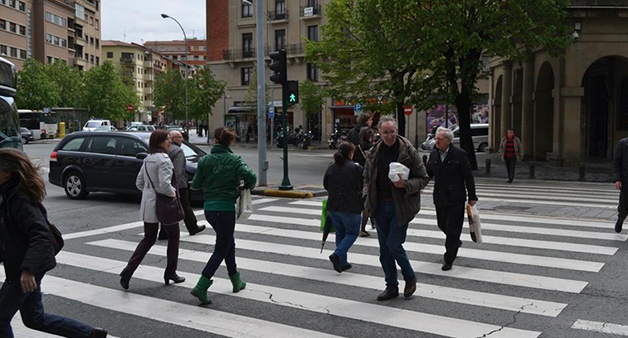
<point>357,108</point>
<point>271,112</point>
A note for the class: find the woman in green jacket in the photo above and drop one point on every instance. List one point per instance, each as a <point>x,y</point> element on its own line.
<point>219,175</point>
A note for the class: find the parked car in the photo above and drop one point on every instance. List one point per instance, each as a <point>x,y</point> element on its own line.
<point>92,125</point>
<point>142,127</point>
<point>479,134</point>
<point>106,128</point>
<point>85,162</point>
<point>27,135</point>
<point>179,129</point>
<point>429,142</point>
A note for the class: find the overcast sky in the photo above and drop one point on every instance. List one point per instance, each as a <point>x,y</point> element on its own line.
<point>141,20</point>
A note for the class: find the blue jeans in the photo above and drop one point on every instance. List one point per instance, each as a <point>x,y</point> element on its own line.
<point>391,236</point>
<point>223,223</point>
<point>347,229</point>
<point>31,307</point>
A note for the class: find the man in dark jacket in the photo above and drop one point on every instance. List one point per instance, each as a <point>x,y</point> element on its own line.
<point>450,167</point>
<point>393,205</point>
<point>364,120</point>
<point>620,176</point>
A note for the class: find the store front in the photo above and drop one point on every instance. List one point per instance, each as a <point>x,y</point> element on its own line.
<point>239,118</point>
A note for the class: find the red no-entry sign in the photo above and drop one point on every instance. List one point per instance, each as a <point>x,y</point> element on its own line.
<point>407,110</point>
<point>129,107</point>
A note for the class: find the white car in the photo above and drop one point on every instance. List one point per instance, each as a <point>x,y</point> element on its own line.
<point>479,134</point>
<point>92,125</point>
<point>142,127</point>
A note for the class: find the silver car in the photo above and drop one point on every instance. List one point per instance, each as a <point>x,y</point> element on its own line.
<point>479,134</point>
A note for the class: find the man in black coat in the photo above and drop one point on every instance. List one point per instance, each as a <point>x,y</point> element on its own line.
<point>450,167</point>
<point>363,120</point>
<point>620,176</point>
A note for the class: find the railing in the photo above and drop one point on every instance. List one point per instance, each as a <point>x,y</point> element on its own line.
<point>126,60</point>
<point>297,48</point>
<point>236,54</point>
<point>307,11</point>
<point>281,15</point>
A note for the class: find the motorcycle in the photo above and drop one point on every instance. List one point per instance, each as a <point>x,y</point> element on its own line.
<point>305,139</point>
<point>293,139</point>
<point>335,139</point>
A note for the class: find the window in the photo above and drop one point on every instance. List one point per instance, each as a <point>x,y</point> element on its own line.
<point>247,45</point>
<point>109,55</point>
<point>86,57</point>
<point>13,52</point>
<point>247,73</point>
<point>97,43</point>
<point>102,145</point>
<point>55,40</point>
<point>22,30</point>
<point>91,40</point>
<point>48,38</point>
<point>247,11</point>
<point>312,33</point>
<point>312,3</point>
<point>64,43</point>
<point>280,39</point>
<point>97,23</point>
<point>48,16</point>
<point>91,20</point>
<point>280,9</point>
<point>22,54</point>
<point>22,6</point>
<point>98,61</point>
<point>73,145</point>
<point>91,58</point>
<point>49,59</point>
<point>12,3</point>
<point>12,27</point>
<point>3,24</point>
<point>130,147</point>
<point>79,10</point>
<point>312,72</point>
<point>4,49</point>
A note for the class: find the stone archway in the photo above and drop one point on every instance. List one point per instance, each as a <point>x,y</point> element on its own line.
<point>544,113</point>
<point>605,107</point>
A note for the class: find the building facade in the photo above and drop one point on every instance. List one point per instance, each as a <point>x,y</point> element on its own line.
<point>139,66</point>
<point>571,109</point>
<point>175,50</point>
<point>50,30</point>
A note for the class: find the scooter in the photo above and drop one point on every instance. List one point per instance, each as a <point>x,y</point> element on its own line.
<point>335,139</point>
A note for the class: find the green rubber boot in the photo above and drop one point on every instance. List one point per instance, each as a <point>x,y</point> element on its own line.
<point>238,284</point>
<point>200,290</point>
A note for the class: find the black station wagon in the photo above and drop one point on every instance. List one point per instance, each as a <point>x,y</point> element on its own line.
<point>85,162</point>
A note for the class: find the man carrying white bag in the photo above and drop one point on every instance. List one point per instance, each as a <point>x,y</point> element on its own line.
<point>475,225</point>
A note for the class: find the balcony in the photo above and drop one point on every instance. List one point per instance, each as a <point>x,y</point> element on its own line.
<point>148,64</point>
<point>80,61</point>
<point>238,54</point>
<point>294,49</point>
<point>148,91</point>
<point>308,12</point>
<point>148,77</point>
<point>278,16</point>
<point>126,60</point>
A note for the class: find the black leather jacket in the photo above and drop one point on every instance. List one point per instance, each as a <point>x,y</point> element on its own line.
<point>25,239</point>
<point>345,187</point>
<point>451,176</point>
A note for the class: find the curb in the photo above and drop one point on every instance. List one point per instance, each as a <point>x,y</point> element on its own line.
<point>282,193</point>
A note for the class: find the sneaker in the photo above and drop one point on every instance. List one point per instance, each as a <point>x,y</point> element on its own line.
<point>335,260</point>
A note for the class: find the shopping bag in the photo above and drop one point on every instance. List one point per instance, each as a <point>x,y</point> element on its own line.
<point>245,205</point>
<point>475,225</point>
<point>396,169</point>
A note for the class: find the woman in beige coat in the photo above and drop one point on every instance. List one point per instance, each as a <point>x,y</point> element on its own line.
<point>155,176</point>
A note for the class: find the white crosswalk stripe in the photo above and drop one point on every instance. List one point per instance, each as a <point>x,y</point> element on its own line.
<point>532,265</point>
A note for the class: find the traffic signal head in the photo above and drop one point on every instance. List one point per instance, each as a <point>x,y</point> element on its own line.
<point>293,92</point>
<point>278,66</point>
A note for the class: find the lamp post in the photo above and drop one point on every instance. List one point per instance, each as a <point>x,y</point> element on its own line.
<point>166,16</point>
<point>261,92</point>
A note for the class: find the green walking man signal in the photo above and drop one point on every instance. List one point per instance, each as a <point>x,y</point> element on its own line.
<point>293,92</point>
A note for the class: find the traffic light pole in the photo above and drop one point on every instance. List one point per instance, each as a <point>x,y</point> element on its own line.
<point>285,183</point>
<point>261,96</point>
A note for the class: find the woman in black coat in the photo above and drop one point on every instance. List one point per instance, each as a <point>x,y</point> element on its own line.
<point>27,251</point>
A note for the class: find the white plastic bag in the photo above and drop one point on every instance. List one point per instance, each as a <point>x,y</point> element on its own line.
<point>245,205</point>
<point>475,225</point>
<point>397,168</point>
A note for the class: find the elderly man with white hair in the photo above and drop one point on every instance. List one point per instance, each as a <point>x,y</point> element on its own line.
<point>450,167</point>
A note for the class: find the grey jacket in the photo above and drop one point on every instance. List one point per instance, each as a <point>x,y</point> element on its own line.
<point>159,167</point>
<point>408,199</point>
<point>178,161</point>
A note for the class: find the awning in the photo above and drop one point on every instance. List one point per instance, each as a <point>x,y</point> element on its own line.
<point>241,110</point>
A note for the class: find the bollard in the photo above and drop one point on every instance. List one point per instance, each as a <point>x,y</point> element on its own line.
<point>581,170</point>
<point>424,159</point>
<point>531,170</point>
<point>61,129</point>
<point>488,166</point>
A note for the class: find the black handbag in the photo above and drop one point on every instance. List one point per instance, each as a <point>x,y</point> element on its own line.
<point>169,209</point>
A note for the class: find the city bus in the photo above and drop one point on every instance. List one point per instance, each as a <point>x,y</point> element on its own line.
<point>10,136</point>
<point>43,125</point>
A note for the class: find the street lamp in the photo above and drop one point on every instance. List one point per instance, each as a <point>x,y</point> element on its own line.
<point>166,16</point>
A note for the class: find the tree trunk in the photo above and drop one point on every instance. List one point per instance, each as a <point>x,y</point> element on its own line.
<point>401,119</point>
<point>463,104</point>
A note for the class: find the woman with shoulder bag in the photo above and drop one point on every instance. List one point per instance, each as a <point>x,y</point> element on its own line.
<point>343,180</point>
<point>27,251</point>
<point>219,175</point>
<point>156,177</point>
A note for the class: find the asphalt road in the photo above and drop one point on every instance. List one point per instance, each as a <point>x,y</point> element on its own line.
<point>550,266</point>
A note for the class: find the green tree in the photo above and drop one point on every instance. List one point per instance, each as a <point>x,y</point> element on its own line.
<point>204,91</point>
<point>170,93</point>
<point>425,51</point>
<point>69,80</point>
<point>35,88</point>
<point>106,95</point>
<point>311,98</point>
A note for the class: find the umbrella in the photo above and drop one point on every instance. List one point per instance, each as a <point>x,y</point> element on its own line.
<point>326,229</point>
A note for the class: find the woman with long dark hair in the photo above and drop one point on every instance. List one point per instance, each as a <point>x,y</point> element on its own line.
<point>27,252</point>
<point>155,176</point>
<point>343,180</point>
<point>219,175</point>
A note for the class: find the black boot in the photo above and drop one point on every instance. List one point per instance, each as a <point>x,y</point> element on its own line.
<point>197,230</point>
<point>125,278</point>
<point>98,333</point>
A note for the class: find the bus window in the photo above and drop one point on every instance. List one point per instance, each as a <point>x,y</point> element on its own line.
<point>10,136</point>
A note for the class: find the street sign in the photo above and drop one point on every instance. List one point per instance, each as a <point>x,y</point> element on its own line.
<point>357,108</point>
<point>308,11</point>
<point>271,112</point>
<point>46,110</point>
<point>129,108</point>
<point>407,110</point>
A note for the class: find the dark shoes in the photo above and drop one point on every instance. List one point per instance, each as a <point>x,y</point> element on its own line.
<point>618,226</point>
<point>388,294</point>
<point>335,260</point>
<point>447,266</point>
<point>346,267</point>
<point>98,333</point>
<point>125,278</point>
<point>510,180</point>
<point>174,278</point>
<point>197,230</point>
<point>410,288</point>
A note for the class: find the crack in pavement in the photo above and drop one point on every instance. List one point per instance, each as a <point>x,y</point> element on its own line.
<point>270,297</point>
<point>514,320</point>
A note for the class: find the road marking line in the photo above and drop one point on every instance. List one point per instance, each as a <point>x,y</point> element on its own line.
<point>496,256</point>
<point>20,330</point>
<point>615,329</point>
<point>378,314</point>
<point>193,317</point>
<point>264,200</point>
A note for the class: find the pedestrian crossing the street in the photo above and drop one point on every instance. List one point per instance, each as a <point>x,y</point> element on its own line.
<point>521,282</point>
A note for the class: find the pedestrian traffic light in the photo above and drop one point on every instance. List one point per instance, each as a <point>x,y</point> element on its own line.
<point>278,66</point>
<point>293,92</point>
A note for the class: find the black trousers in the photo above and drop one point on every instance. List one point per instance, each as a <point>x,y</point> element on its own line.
<point>189,218</point>
<point>622,209</point>
<point>450,219</point>
<point>510,167</point>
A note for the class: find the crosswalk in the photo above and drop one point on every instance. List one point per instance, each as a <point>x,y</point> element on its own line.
<point>530,267</point>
